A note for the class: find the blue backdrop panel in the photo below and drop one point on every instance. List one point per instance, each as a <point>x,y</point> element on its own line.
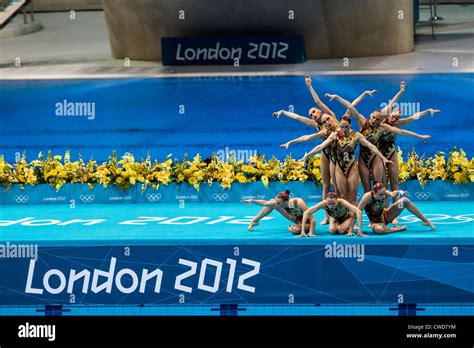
<point>440,191</point>
<point>273,274</point>
<point>178,193</point>
<point>39,194</point>
<point>81,193</point>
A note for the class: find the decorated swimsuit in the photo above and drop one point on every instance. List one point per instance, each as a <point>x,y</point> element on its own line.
<point>375,210</point>
<point>340,213</point>
<point>387,142</point>
<point>345,148</point>
<point>328,151</point>
<point>372,134</point>
<point>294,211</point>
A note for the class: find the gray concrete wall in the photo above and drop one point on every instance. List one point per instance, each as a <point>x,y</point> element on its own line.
<point>426,2</point>
<point>67,5</point>
<point>331,28</point>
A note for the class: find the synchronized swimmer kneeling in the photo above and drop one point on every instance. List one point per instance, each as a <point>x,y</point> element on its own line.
<point>342,213</point>
<point>342,216</point>
<point>290,208</point>
<point>374,204</point>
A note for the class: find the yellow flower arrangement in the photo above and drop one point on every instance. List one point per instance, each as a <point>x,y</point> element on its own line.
<point>411,168</point>
<point>458,167</point>
<point>292,170</point>
<point>58,170</point>
<point>160,173</point>
<point>23,173</point>
<point>313,168</point>
<point>437,167</point>
<point>6,173</point>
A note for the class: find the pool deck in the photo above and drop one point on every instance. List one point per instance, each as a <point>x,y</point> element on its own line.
<point>211,224</point>
<point>84,52</point>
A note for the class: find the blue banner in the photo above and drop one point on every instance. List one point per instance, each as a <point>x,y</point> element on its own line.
<point>176,193</point>
<point>241,50</point>
<point>439,191</point>
<point>245,274</point>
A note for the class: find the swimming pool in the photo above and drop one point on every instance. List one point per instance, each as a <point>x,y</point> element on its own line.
<point>207,115</point>
<point>211,114</point>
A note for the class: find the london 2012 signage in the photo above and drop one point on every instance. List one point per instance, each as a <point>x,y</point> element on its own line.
<point>241,50</point>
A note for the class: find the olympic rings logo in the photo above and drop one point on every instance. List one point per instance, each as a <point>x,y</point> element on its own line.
<point>220,197</point>
<point>153,197</point>
<point>422,196</point>
<point>440,219</point>
<point>22,199</point>
<point>87,198</point>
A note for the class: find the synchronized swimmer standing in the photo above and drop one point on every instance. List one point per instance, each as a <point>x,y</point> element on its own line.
<point>377,166</point>
<point>325,123</point>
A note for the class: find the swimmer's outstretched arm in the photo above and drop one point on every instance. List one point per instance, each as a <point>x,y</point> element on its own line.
<point>320,147</point>
<point>270,203</point>
<point>397,193</point>
<point>404,132</point>
<point>308,213</point>
<point>356,211</point>
<point>307,121</point>
<point>397,96</point>
<point>372,148</point>
<point>417,116</point>
<point>356,114</point>
<point>303,138</point>
<point>316,98</point>
<point>356,101</point>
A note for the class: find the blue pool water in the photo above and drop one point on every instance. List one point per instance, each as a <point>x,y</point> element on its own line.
<point>206,115</point>
<point>246,310</point>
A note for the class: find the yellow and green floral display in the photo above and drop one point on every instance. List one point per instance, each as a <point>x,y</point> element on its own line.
<point>57,170</point>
